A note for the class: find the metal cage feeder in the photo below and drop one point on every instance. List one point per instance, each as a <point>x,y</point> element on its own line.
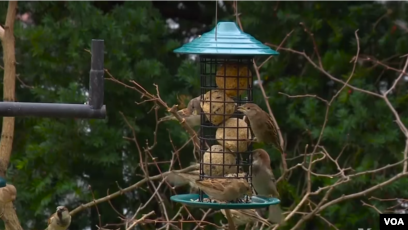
<point>226,73</point>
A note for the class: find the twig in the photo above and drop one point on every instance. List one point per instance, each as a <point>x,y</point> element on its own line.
<point>128,189</point>
<point>114,209</point>
<point>231,225</point>
<point>283,42</point>
<point>327,222</point>
<point>306,95</point>
<point>140,220</point>
<point>371,206</point>
<point>96,206</point>
<point>151,97</point>
<point>284,164</point>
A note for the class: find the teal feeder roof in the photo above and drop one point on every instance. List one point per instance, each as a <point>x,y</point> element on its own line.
<point>230,41</point>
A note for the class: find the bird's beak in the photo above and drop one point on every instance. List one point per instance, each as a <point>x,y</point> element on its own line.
<point>241,108</point>
<point>59,213</point>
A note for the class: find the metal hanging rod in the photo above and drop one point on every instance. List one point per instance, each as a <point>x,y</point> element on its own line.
<point>94,110</point>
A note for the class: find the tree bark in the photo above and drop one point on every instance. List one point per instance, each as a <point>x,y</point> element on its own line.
<point>8,193</point>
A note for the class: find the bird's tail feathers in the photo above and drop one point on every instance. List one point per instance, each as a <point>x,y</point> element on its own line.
<point>265,222</point>
<point>275,214</point>
<point>176,179</point>
<point>278,146</point>
<point>179,179</point>
<point>168,118</point>
<point>260,218</point>
<point>194,190</point>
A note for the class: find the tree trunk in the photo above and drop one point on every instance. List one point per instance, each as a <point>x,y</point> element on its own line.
<point>8,193</point>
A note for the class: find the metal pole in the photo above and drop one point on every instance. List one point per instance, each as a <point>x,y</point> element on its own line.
<point>95,109</point>
<point>96,81</point>
<point>55,110</point>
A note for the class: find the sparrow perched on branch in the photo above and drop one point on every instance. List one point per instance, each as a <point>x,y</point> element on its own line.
<point>244,216</point>
<point>225,189</point>
<point>261,124</point>
<point>264,181</point>
<point>60,220</point>
<point>191,114</point>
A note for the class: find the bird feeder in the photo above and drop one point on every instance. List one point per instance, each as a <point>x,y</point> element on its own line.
<point>226,71</point>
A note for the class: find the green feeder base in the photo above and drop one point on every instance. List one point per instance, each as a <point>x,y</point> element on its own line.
<point>192,200</point>
<point>2,182</point>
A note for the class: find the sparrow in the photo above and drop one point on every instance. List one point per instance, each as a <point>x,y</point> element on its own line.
<point>244,216</point>
<point>191,114</point>
<point>180,179</point>
<point>264,181</point>
<point>225,189</point>
<point>60,220</point>
<point>261,124</point>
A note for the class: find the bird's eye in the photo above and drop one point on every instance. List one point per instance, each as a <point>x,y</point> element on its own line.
<point>248,108</point>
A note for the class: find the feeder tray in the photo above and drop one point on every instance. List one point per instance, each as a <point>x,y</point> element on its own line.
<point>2,182</point>
<point>193,200</point>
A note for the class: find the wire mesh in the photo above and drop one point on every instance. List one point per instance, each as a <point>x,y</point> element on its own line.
<point>225,138</point>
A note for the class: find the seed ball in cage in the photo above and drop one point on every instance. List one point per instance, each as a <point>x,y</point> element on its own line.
<point>213,106</point>
<point>228,74</point>
<point>237,135</point>
<point>217,152</point>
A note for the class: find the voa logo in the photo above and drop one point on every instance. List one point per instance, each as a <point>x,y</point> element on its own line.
<point>393,221</point>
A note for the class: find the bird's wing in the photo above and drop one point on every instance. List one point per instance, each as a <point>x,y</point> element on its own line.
<point>214,184</point>
<point>271,124</point>
<point>248,212</point>
<point>50,219</point>
<point>272,179</point>
<point>256,169</point>
<point>195,112</point>
<point>184,112</point>
<point>195,172</point>
<point>275,134</point>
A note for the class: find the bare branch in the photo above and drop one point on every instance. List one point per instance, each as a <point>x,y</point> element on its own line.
<point>1,33</point>
<point>9,215</point>
<point>364,192</point>
<point>128,189</point>
<point>256,68</point>
<point>140,220</point>
<point>371,206</point>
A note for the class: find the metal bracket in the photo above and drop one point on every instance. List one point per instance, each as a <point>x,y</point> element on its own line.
<point>95,109</point>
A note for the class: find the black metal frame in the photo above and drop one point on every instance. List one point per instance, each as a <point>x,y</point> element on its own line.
<point>95,109</point>
<point>209,65</point>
